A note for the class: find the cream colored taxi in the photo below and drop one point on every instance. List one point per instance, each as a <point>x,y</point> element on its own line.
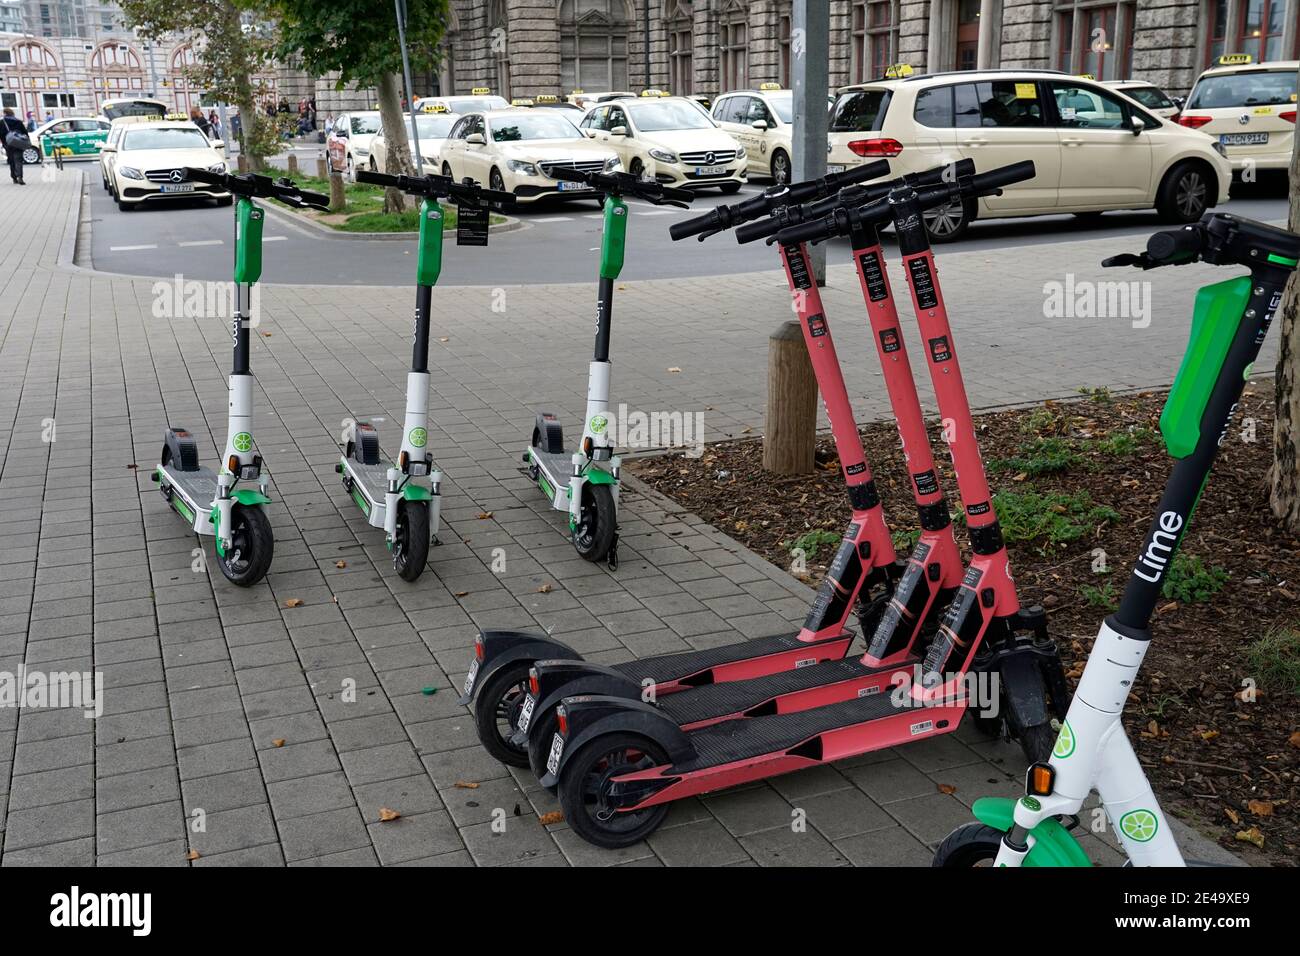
<point>432,127</point>
<point>1094,148</point>
<point>516,149</point>
<point>762,121</point>
<point>1249,108</point>
<point>671,138</point>
<point>1147,95</point>
<point>149,162</point>
<point>476,101</point>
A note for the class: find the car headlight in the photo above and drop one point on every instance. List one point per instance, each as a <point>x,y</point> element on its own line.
<point>613,164</point>
<point>130,172</point>
<point>519,166</point>
<point>217,168</point>
<point>663,155</point>
<point>740,152</point>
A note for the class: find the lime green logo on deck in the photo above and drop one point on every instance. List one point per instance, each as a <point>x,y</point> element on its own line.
<point>418,437</point>
<point>1064,742</point>
<point>598,424</point>
<point>1139,825</point>
<point>242,442</point>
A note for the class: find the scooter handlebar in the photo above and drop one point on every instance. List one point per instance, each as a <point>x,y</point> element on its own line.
<point>625,184</point>
<point>262,187</point>
<point>439,187</point>
<point>987,184</point>
<point>1173,246</point>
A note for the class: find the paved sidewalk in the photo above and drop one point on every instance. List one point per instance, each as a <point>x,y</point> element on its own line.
<point>203,681</point>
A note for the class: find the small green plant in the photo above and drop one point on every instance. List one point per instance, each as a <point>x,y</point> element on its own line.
<point>905,541</point>
<point>1275,660</point>
<point>811,542</point>
<point>1190,580</point>
<point>1056,518</point>
<point>1041,421</point>
<point>1159,705</point>
<point>1041,456</point>
<point>1124,444</point>
<point>1101,394</point>
<point>1101,596</point>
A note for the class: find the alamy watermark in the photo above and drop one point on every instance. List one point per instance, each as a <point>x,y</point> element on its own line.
<point>179,297</point>
<point>53,690</point>
<point>1086,299</point>
<point>631,428</point>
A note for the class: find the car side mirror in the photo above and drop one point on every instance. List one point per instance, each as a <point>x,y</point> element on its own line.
<point>218,144</point>
<point>108,148</point>
<point>1136,124</point>
<point>340,133</point>
<point>618,131</point>
<point>759,125</point>
<point>475,139</point>
<point>1180,101</point>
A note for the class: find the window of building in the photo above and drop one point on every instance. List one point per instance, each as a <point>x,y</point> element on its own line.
<point>59,100</point>
<point>1258,29</point>
<point>874,38</point>
<point>9,99</point>
<point>734,61</point>
<point>6,57</point>
<point>681,75</point>
<point>1095,38</point>
<point>593,44</point>
<point>968,34</point>
<point>498,47</point>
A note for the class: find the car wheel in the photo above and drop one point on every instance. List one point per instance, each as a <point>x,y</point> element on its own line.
<point>946,223</point>
<point>374,167</point>
<point>1185,194</point>
<point>780,167</point>
<point>125,206</point>
<point>446,170</point>
<point>31,155</point>
<point>496,180</point>
<point>637,168</point>
<point>349,169</point>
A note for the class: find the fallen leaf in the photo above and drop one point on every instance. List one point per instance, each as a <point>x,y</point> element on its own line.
<point>460,593</point>
<point>1251,836</point>
<point>192,855</point>
<point>293,602</point>
<point>1261,808</point>
<point>1294,739</point>
<point>674,369</point>
<point>1166,608</point>
<point>544,589</point>
<point>340,564</point>
<point>466,785</point>
<point>444,339</point>
<point>947,788</point>
<point>484,515</point>
<point>1209,734</point>
<point>555,816</point>
<point>133,466</point>
<point>1153,730</point>
<point>1021,477</point>
<point>266,335</point>
<point>1233,815</point>
<point>387,816</point>
<point>278,742</point>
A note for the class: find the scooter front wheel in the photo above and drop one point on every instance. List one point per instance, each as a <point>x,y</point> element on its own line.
<point>584,782</point>
<point>597,522</point>
<point>252,546</point>
<point>496,713</point>
<point>411,539</point>
<point>972,844</point>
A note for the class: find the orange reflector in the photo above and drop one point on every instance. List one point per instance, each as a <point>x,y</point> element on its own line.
<point>1041,779</point>
<point>587,446</point>
<point>402,459</point>
<point>232,464</point>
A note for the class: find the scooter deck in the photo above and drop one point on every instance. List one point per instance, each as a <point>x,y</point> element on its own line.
<point>555,470</point>
<point>197,490</point>
<point>702,667</point>
<point>838,679</point>
<point>372,483</point>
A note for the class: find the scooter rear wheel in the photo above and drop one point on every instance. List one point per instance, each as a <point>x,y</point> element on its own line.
<point>496,713</point>
<point>411,539</point>
<point>597,522</point>
<point>972,844</point>
<point>582,785</point>
<point>252,545</point>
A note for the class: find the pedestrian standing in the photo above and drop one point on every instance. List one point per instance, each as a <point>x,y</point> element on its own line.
<point>214,124</point>
<point>31,122</point>
<point>201,121</point>
<point>16,140</point>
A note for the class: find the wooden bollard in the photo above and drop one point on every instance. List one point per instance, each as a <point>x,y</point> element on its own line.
<point>337,197</point>
<point>241,163</point>
<point>293,164</point>
<point>322,168</point>
<point>790,431</point>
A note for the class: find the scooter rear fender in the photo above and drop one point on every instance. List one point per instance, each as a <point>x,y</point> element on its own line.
<point>495,649</point>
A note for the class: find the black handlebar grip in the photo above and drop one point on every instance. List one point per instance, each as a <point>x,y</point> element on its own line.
<point>1175,245</point>
<point>674,192</point>
<point>1002,176</point>
<point>319,200</point>
<point>760,229</point>
<point>568,173</point>
<point>810,231</point>
<point>205,176</point>
<point>693,227</point>
<point>860,174</point>
<point>377,179</point>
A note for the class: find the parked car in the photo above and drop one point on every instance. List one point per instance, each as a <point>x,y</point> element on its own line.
<point>1094,148</point>
<point>516,149</point>
<point>150,160</point>
<point>477,101</point>
<point>762,121</point>
<point>1249,108</point>
<point>349,143</point>
<point>432,128</point>
<point>670,138</point>
<point>77,136</point>
<point>1148,95</point>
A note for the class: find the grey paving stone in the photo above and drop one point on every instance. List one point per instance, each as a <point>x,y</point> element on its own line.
<point>323,833</point>
<point>241,829</point>
<point>302,796</point>
<point>140,826</point>
<point>224,791</point>
<point>412,837</point>
<point>891,847</point>
<point>702,843</point>
<point>49,823</point>
<point>787,847</point>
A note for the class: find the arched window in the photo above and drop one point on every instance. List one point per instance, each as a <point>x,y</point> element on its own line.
<point>681,75</point>
<point>874,38</point>
<point>593,44</point>
<point>115,71</point>
<point>180,66</point>
<point>733,65</point>
<point>36,55</point>
<point>35,72</point>
<point>499,47</point>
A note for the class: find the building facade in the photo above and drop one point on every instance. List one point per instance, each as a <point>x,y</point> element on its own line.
<point>521,47</point>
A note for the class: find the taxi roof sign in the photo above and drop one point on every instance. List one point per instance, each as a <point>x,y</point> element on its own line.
<point>548,98</point>
<point>433,108</point>
<point>481,91</point>
<point>1235,59</point>
<point>521,101</point>
<point>1087,76</point>
<point>769,86</point>
<point>898,71</point>
<point>655,93</point>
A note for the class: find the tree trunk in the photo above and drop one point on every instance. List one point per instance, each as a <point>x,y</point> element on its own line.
<point>241,75</point>
<point>790,428</point>
<point>1284,496</point>
<point>397,161</point>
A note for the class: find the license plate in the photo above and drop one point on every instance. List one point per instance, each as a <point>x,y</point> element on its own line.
<point>710,170</point>
<point>526,713</point>
<point>835,168</point>
<point>1243,139</point>
<point>178,187</point>
<point>566,186</point>
<point>469,678</point>
<point>553,760</point>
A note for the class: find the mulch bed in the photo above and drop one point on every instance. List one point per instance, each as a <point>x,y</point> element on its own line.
<point>1226,763</point>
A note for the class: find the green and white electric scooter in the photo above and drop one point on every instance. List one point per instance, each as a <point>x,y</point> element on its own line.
<point>584,481</point>
<point>213,502</point>
<point>1092,751</point>
<point>403,496</point>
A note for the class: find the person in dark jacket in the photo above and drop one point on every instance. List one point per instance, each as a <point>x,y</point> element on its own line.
<point>12,124</point>
<point>201,121</point>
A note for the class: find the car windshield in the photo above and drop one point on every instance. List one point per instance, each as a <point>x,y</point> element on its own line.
<point>1150,97</point>
<point>365,124</point>
<point>668,114</point>
<point>435,126</point>
<point>783,104</point>
<point>513,129</point>
<point>477,104</point>
<point>171,138</point>
<point>862,111</point>
<point>1263,88</point>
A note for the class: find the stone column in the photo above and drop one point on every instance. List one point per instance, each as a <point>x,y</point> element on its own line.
<point>1169,40</point>
<point>1026,34</point>
<point>533,48</point>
